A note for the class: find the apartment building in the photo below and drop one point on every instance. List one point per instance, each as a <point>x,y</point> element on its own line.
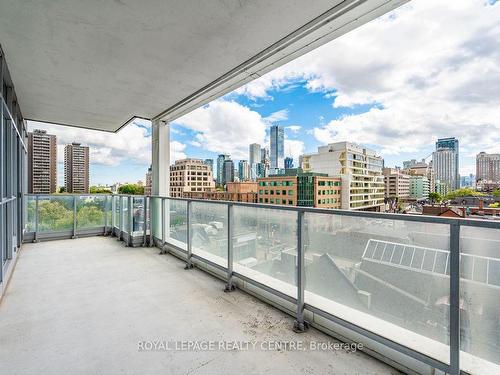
<point>488,167</point>
<point>149,181</point>
<point>42,162</point>
<point>421,168</point>
<point>190,175</point>
<point>76,168</point>
<point>297,188</point>
<point>419,187</point>
<point>359,168</point>
<point>397,183</point>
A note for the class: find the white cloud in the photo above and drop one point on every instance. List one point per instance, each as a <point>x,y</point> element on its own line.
<point>294,128</point>
<point>225,126</point>
<point>294,148</point>
<point>280,115</point>
<point>195,143</point>
<point>177,151</point>
<point>431,67</point>
<point>131,143</point>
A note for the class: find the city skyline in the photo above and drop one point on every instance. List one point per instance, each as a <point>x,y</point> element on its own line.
<point>397,109</point>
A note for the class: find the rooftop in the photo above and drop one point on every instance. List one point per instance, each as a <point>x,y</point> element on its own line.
<point>84,306</point>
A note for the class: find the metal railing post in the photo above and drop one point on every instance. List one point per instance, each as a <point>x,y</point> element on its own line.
<point>230,285</point>
<point>455,298</point>
<point>189,263</point>
<point>145,222</point>
<point>74,216</point>
<point>35,239</point>
<point>300,325</point>
<point>113,209</point>
<point>162,247</point>
<point>120,217</point>
<point>130,203</point>
<point>106,215</point>
<point>150,217</point>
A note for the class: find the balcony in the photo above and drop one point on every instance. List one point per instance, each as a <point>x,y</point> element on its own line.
<point>387,281</point>
<point>87,304</point>
<point>420,294</point>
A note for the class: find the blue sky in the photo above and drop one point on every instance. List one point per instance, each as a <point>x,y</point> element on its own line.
<point>430,69</point>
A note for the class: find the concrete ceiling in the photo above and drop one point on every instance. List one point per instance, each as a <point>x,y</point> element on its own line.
<point>98,64</point>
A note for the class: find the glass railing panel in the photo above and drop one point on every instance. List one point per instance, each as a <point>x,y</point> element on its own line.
<point>480,300</point>
<point>30,213</point>
<point>90,211</point>
<point>138,215</point>
<point>208,227</point>
<point>388,276</point>
<point>156,217</point>
<point>116,211</point>
<point>125,218</point>
<point>177,222</point>
<point>265,246</point>
<point>108,212</point>
<point>55,213</point>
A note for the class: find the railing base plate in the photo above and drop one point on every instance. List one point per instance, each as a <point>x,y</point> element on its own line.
<point>300,327</point>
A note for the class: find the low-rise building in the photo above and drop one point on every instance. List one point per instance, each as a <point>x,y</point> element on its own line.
<point>296,188</point>
<point>359,168</point>
<point>441,188</point>
<point>242,187</point>
<point>250,197</point>
<point>190,175</point>
<point>397,183</point>
<point>419,187</point>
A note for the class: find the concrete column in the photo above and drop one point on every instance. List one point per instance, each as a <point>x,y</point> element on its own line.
<point>160,148</point>
<point>160,158</point>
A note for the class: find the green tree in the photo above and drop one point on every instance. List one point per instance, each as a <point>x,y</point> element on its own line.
<point>131,189</point>
<point>464,192</point>
<point>54,215</point>
<point>496,193</point>
<point>62,189</point>
<point>435,197</point>
<point>90,216</point>
<point>99,190</point>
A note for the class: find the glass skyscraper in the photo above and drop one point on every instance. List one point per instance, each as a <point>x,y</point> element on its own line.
<point>220,167</point>
<point>445,161</point>
<point>277,146</point>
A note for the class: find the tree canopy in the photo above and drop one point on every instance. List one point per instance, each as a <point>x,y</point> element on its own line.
<point>133,189</point>
<point>99,190</point>
<point>464,192</point>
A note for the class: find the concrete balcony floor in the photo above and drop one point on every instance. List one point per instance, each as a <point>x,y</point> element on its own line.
<point>82,306</point>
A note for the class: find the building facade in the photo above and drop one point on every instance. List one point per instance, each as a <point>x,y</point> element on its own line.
<point>76,168</point>
<point>254,158</point>
<point>359,168</point>
<point>149,181</point>
<point>288,162</point>
<point>190,175</point>
<point>445,162</point>
<point>210,163</point>
<point>421,168</point>
<point>220,167</point>
<point>488,167</point>
<point>42,162</point>
<point>277,147</point>
<point>397,183</point>
<point>227,171</point>
<point>297,188</point>
<point>243,170</point>
<point>419,187</point>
